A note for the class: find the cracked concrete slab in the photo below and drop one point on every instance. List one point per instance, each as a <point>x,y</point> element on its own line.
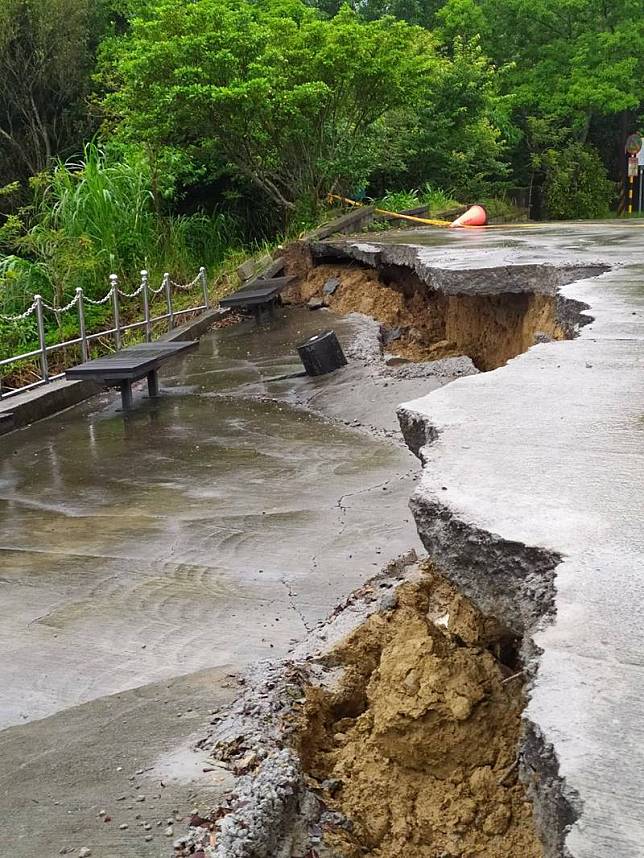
<point>536,469</point>
<point>203,532</point>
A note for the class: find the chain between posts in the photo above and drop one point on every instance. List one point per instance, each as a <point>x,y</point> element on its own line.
<point>20,316</point>
<point>39,306</point>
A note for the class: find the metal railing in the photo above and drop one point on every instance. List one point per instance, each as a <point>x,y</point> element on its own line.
<point>80,300</point>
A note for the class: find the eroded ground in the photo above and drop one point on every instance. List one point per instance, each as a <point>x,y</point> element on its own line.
<point>418,746</point>
<point>421,323</point>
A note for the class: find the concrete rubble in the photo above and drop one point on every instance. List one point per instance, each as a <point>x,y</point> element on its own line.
<point>271,812</point>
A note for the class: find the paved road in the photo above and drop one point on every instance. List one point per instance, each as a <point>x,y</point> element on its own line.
<point>548,452</point>
<point>201,534</point>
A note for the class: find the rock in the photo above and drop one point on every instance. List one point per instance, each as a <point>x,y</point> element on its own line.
<point>389,335</point>
<point>389,601</point>
<point>331,785</point>
<point>85,852</point>
<point>169,832</point>
<point>246,763</point>
<point>123,826</point>
<point>331,285</point>
<point>246,270</point>
<point>315,304</point>
<point>148,837</point>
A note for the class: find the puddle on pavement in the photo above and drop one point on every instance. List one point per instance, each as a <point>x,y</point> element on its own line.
<point>151,545</point>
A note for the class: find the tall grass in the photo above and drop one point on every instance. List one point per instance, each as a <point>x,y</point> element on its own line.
<point>95,216</point>
<point>98,216</point>
<point>435,198</point>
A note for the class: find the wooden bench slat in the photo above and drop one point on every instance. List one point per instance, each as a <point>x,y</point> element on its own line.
<point>256,292</point>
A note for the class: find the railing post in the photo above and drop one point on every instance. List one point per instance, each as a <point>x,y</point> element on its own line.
<point>81,325</point>
<point>44,366</point>
<point>114,284</point>
<point>146,306</point>
<point>204,285</point>
<point>168,296</point>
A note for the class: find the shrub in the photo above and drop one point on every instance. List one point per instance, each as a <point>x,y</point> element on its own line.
<point>576,184</point>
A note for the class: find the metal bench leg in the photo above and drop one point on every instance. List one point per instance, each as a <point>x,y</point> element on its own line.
<point>126,395</point>
<point>153,384</point>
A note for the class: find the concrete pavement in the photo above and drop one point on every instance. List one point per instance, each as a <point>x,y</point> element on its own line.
<point>531,499</point>
<point>143,560</point>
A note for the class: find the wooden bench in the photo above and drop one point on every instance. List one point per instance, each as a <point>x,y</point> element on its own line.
<point>121,369</point>
<point>259,295</point>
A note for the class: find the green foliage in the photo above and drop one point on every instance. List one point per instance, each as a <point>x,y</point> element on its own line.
<point>457,139</point>
<point>96,216</point>
<point>398,201</point>
<point>46,60</point>
<point>576,185</point>
<point>93,217</point>
<point>435,198</point>
<point>271,92</point>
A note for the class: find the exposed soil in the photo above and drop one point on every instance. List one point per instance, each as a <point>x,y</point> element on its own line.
<point>424,324</point>
<point>416,746</point>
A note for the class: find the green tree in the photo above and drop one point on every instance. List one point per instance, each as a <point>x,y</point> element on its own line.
<point>296,104</point>
<point>576,183</point>
<point>47,50</point>
<point>458,139</point>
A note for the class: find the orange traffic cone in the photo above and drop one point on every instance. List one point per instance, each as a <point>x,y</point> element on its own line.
<point>474,216</point>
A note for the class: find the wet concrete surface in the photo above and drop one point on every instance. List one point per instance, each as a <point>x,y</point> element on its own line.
<point>203,532</point>
<point>548,451</point>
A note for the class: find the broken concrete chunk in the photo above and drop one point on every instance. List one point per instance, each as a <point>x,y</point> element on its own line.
<point>246,270</point>
<point>390,335</point>
<point>331,285</point>
<point>315,304</point>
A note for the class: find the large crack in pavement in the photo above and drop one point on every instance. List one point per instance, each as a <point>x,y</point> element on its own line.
<point>492,552</point>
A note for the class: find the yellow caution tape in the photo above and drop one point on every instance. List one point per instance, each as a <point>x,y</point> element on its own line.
<point>397,215</point>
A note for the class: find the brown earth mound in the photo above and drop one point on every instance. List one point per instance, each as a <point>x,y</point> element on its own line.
<point>428,324</point>
<point>418,747</point>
